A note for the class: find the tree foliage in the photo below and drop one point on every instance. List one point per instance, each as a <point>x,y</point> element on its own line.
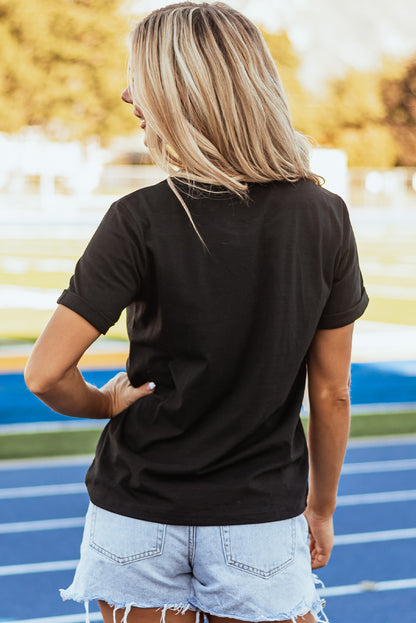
<point>352,117</point>
<point>371,115</point>
<point>288,63</point>
<point>399,98</point>
<point>63,67</point>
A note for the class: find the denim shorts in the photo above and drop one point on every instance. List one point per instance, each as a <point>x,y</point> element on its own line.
<point>253,572</point>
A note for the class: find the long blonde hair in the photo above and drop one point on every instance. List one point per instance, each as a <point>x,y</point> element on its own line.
<point>215,109</point>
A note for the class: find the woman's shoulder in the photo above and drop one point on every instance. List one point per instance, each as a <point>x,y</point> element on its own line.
<point>151,193</point>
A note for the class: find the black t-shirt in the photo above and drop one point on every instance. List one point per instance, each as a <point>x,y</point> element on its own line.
<point>224,334</point>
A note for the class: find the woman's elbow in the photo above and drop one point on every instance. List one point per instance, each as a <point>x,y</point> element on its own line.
<point>37,381</point>
<point>336,397</point>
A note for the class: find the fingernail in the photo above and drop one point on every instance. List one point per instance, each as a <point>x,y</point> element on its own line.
<point>151,386</point>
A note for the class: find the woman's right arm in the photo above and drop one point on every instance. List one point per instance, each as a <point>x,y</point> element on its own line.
<point>52,372</point>
<point>329,363</point>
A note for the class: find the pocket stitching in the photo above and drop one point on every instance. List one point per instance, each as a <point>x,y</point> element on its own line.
<point>123,560</point>
<point>226,543</point>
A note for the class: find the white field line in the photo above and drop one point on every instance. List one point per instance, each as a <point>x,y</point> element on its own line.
<point>345,500</point>
<point>375,537</point>
<point>12,464</point>
<point>38,567</point>
<point>366,586</point>
<point>381,408</point>
<point>372,467</point>
<point>45,524</point>
<point>78,522</point>
<point>383,442</point>
<point>45,463</point>
<point>376,498</point>
<point>42,490</point>
<point>62,425</point>
<point>66,618</point>
<point>391,292</point>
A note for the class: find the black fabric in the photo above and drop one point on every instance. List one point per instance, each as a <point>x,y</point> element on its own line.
<point>224,334</point>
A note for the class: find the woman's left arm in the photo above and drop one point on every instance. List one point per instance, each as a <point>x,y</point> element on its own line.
<point>52,372</point>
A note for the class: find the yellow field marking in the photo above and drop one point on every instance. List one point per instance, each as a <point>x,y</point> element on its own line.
<point>16,363</point>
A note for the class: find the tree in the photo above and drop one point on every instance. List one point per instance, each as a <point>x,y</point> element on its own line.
<point>288,63</point>
<point>352,117</point>
<point>399,97</point>
<point>62,67</point>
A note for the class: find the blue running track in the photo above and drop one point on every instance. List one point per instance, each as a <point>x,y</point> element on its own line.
<point>371,575</point>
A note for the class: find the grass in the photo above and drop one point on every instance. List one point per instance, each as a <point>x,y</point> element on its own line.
<point>69,443</point>
<point>36,445</point>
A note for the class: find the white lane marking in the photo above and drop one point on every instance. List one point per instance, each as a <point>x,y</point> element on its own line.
<point>66,618</point>
<point>376,498</point>
<point>59,425</point>
<point>365,586</point>
<point>78,522</point>
<point>70,461</point>
<point>370,467</point>
<point>391,292</point>
<point>382,442</point>
<point>46,524</point>
<point>27,297</point>
<point>388,270</point>
<point>374,537</point>
<point>42,490</point>
<point>381,408</point>
<point>38,567</point>
<point>343,500</point>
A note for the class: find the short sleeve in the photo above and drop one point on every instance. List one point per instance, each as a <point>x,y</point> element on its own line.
<point>109,274</point>
<point>347,299</point>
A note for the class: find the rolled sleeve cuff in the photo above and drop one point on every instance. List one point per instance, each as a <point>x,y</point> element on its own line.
<point>83,308</point>
<point>341,319</point>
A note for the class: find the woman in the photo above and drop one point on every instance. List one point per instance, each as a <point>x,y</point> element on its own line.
<point>239,272</point>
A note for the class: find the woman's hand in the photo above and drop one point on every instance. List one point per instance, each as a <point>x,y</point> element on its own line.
<point>121,394</point>
<point>321,538</point>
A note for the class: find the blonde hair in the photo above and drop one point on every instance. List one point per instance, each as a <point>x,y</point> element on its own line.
<point>215,109</point>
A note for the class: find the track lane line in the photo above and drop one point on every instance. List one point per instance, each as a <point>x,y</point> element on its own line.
<point>40,525</point>
<point>375,467</point>
<point>45,463</point>
<point>375,537</point>
<point>38,567</point>
<point>42,490</point>
<point>66,618</point>
<point>79,487</point>
<point>367,586</point>
<point>76,488</point>
<point>383,497</point>
<point>78,522</point>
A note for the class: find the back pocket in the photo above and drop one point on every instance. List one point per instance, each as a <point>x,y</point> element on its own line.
<point>125,540</point>
<point>260,549</point>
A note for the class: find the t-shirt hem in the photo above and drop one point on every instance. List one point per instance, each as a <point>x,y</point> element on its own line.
<point>204,519</point>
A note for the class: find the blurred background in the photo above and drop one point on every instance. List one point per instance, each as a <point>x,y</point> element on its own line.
<point>69,147</point>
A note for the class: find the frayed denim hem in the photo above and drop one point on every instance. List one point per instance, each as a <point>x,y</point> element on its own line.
<point>177,608</point>
<point>299,611</point>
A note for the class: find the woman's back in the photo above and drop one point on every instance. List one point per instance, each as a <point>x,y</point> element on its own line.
<point>223,331</point>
